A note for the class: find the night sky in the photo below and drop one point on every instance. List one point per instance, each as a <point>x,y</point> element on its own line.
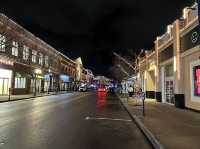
<point>92,29</point>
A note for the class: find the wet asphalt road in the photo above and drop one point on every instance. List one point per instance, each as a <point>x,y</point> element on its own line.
<point>68,121</point>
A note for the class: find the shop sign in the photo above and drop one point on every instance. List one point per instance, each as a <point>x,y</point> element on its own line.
<point>64,78</point>
<point>194,37</point>
<point>6,61</point>
<point>190,40</point>
<point>39,77</point>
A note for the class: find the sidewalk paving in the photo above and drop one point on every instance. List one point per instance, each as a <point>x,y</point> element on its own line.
<point>174,128</point>
<point>27,96</point>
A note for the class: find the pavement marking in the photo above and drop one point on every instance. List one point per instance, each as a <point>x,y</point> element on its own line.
<point>106,118</point>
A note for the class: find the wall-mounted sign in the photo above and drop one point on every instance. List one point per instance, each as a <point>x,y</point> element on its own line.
<point>38,71</point>
<point>190,40</point>
<point>194,37</point>
<point>64,78</point>
<point>39,77</point>
<point>6,61</point>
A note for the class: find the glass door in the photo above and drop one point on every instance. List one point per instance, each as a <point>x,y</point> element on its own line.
<point>1,86</point>
<point>169,91</point>
<point>5,84</point>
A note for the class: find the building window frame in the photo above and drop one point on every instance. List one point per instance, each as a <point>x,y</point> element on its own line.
<point>34,56</point>
<point>41,59</point>
<point>15,47</point>
<point>25,52</point>
<point>2,43</point>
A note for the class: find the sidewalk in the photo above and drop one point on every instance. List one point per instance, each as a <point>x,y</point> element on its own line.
<point>173,128</point>
<point>27,96</point>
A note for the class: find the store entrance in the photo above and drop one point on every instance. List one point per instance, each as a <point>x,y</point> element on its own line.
<point>4,86</point>
<point>169,90</point>
<point>5,81</point>
<point>36,85</point>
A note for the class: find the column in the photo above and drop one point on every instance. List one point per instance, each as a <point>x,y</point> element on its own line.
<point>178,86</point>
<point>158,94</point>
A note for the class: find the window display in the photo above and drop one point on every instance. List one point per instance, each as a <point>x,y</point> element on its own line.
<point>196,73</point>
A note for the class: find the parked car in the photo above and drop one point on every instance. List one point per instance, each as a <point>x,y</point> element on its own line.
<point>83,87</point>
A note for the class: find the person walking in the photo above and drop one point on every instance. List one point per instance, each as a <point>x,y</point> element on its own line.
<point>130,91</point>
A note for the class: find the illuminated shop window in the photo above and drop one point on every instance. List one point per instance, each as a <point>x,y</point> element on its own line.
<point>34,56</point>
<point>41,59</point>
<point>25,53</point>
<point>15,48</point>
<point>2,43</point>
<point>20,81</point>
<point>196,74</point>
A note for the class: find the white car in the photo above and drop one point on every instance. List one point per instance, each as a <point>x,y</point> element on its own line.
<point>83,88</point>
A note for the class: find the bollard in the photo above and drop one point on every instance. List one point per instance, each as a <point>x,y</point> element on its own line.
<point>143,104</point>
<point>9,92</point>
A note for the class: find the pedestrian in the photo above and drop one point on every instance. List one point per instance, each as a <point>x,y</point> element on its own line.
<point>130,91</point>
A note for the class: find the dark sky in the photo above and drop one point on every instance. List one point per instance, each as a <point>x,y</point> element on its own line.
<point>92,29</point>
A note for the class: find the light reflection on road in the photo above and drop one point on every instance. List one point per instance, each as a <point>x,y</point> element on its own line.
<point>101,102</point>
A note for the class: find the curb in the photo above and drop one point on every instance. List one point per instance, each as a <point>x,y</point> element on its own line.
<point>148,134</point>
<point>32,97</point>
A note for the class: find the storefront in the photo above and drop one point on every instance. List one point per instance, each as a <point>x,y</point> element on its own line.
<point>150,77</point>
<point>5,81</point>
<point>37,82</point>
<point>49,82</point>
<point>191,68</point>
<point>6,74</point>
<point>64,82</point>
<point>167,83</point>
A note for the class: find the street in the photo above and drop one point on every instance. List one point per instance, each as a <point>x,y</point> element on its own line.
<point>68,121</point>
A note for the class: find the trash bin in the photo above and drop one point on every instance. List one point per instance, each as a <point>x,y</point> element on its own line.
<point>158,96</point>
<point>179,101</point>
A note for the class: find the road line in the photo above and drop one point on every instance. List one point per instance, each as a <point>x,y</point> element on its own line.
<point>106,118</point>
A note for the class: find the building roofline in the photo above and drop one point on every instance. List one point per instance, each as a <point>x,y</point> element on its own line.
<point>37,39</point>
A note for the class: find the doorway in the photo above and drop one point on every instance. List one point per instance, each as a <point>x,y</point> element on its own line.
<point>169,90</point>
<point>5,81</point>
<point>4,86</point>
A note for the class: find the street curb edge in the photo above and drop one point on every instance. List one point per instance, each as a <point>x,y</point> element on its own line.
<point>32,97</point>
<point>148,134</point>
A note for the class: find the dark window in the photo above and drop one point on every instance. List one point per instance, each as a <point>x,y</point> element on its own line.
<point>166,54</point>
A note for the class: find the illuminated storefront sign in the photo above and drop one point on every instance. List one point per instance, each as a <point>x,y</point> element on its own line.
<point>39,77</point>
<point>5,73</point>
<point>6,61</point>
<point>38,71</point>
<point>196,71</point>
<point>64,78</point>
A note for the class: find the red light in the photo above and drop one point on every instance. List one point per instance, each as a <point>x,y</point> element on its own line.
<point>101,102</point>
